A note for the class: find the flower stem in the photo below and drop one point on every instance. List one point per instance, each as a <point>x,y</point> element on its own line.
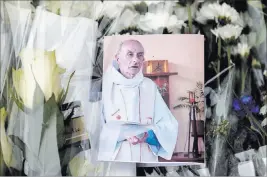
<point>189,17</point>
<point>219,62</point>
<point>244,71</point>
<point>229,55</point>
<point>252,119</point>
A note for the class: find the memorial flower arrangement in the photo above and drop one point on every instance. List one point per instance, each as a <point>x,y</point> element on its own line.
<point>235,71</point>
<point>33,97</point>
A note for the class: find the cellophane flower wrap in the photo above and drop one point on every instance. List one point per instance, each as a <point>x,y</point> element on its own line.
<point>51,71</point>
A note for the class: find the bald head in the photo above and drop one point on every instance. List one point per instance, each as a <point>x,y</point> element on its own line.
<point>130,57</point>
<point>129,42</point>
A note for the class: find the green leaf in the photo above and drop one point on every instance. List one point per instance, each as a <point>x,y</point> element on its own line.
<point>256,126</point>
<point>15,98</point>
<point>58,11</point>
<point>65,94</point>
<point>51,110</point>
<point>60,129</point>
<point>48,111</point>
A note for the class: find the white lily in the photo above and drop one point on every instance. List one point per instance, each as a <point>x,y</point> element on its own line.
<point>228,32</point>
<point>80,166</point>
<point>89,9</point>
<point>241,49</point>
<point>151,21</point>
<point>40,65</point>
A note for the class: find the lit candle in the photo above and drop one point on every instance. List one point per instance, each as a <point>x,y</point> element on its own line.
<point>165,66</point>
<point>191,97</point>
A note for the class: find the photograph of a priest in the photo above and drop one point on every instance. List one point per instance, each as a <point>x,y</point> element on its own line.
<point>138,125</point>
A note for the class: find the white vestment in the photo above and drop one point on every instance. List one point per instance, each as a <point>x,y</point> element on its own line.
<point>135,101</point>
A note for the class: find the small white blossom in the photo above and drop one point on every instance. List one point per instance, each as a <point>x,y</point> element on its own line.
<point>216,11</point>
<point>265,73</point>
<point>228,32</point>
<point>148,3</point>
<point>228,12</point>
<point>263,110</point>
<point>127,19</point>
<point>242,49</point>
<point>151,21</point>
<point>205,13</point>
<point>182,12</point>
<point>113,9</point>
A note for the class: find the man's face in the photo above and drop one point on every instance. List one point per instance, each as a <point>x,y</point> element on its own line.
<point>130,58</point>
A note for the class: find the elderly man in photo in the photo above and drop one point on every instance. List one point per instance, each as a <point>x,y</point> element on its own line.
<point>138,125</point>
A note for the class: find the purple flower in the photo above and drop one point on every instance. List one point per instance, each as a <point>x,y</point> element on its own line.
<point>244,104</point>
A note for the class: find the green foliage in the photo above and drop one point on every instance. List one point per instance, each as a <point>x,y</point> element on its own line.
<point>51,111</point>
<point>199,94</point>
<point>63,95</point>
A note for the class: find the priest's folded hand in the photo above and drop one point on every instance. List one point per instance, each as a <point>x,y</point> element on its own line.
<point>137,139</point>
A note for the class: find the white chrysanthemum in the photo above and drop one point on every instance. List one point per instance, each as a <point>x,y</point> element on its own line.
<point>227,32</point>
<point>241,49</point>
<point>215,11</point>
<point>127,19</point>
<point>182,12</point>
<point>205,13</point>
<point>151,21</point>
<point>147,2</point>
<point>113,9</point>
<point>226,12</point>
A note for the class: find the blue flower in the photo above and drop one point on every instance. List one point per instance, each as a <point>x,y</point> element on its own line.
<point>246,102</point>
<point>246,99</point>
